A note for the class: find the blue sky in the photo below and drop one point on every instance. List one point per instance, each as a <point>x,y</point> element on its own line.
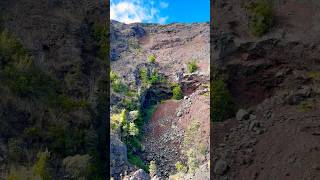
<point>160,11</point>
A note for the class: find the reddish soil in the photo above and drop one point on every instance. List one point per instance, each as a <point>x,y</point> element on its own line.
<point>166,110</point>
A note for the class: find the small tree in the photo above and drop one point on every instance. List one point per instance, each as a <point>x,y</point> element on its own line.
<point>192,66</point>
<point>180,167</point>
<point>192,161</point>
<point>152,58</point>
<point>221,102</point>
<point>144,75</point>
<point>177,92</point>
<point>152,168</point>
<point>133,130</point>
<point>41,168</point>
<point>261,16</point>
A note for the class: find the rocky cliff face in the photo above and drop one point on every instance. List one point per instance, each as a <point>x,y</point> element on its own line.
<point>52,80</point>
<point>166,135</point>
<point>275,78</point>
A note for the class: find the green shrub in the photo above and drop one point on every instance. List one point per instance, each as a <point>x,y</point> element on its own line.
<point>144,75</point>
<point>135,160</point>
<point>192,162</point>
<point>177,92</point>
<point>155,78</point>
<point>22,173</point>
<point>41,167</point>
<point>10,49</point>
<point>113,76</point>
<point>221,103</point>
<point>119,87</point>
<point>62,140</point>
<point>192,66</point>
<point>32,83</point>
<point>314,75</point>
<point>152,58</point>
<point>152,78</point>
<point>152,168</point>
<point>307,105</point>
<point>180,167</point>
<point>191,133</point>
<point>133,130</point>
<point>261,17</point>
<point>133,142</point>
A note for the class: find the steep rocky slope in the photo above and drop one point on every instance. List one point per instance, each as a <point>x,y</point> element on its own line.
<point>53,89</point>
<point>274,81</point>
<point>166,132</point>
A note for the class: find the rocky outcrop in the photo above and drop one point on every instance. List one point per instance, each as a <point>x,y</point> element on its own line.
<point>140,175</point>
<point>118,156</point>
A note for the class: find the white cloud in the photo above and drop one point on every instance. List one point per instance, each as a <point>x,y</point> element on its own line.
<point>164,5</point>
<point>130,11</point>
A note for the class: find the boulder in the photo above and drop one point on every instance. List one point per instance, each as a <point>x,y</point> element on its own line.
<point>118,156</point>
<point>242,115</point>
<point>140,175</point>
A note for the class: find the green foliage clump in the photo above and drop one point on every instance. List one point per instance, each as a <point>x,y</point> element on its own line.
<point>10,49</point>
<point>31,83</point>
<point>116,84</point>
<point>314,75</point>
<point>59,140</point>
<point>221,103</point>
<point>147,113</point>
<point>152,58</point>
<point>68,104</point>
<point>154,78</point>
<point>41,167</point>
<point>120,122</point>
<point>307,105</point>
<point>152,168</point>
<point>137,161</point>
<point>261,17</point>
<point>149,79</point>
<point>192,162</point>
<point>191,133</point>
<point>180,167</point>
<point>177,92</point>
<point>192,66</point>
<point>133,130</point>
<point>22,173</point>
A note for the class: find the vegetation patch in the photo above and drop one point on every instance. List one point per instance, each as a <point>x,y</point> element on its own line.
<point>149,77</point>
<point>261,16</point>
<point>152,58</point>
<point>192,66</point>
<point>222,106</point>
<point>314,75</point>
<point>307,105</point>
<point>177,92</point>
<point>137,161</point>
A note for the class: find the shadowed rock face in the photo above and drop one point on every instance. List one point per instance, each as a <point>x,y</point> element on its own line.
<point>58,35</point>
